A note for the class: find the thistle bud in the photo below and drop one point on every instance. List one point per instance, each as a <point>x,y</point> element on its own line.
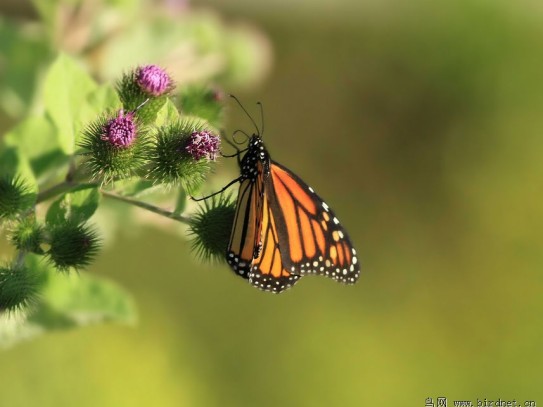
<point>72,245</point>
<point>19,288</point>
<point>15,197</point>
<point>114,146</point>
<point>178,153</point>
<point>210,228</point>
<point>153,80</point>
<point>120,131</point>
<point>144,91</point>
<point>27,235</point>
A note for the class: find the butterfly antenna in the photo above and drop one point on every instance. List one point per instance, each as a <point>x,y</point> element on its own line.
<point>231,144</point>
<point>247,113</point>
<point>247,137</point>
<point>261,118</point>
<point>224,138</point>
<point>238,151</point>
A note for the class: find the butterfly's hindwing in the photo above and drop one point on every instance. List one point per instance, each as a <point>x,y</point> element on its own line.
<point>268,272</point>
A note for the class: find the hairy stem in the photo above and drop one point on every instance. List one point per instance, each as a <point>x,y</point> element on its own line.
<point>149,207</point>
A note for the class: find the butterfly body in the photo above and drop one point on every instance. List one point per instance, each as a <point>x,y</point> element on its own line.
<point>283,230</point>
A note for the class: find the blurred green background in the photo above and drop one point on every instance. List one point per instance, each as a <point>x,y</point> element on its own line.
<point>421,124</point>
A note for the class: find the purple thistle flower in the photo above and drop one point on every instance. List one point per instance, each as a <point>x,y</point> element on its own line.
<point>153,80</point>
<point>203,144</point>
<point>121,130</point>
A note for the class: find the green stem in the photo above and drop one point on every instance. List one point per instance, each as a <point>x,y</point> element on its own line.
<point>152,208</point>
<point>61,188</point>
<point>67,186</point>
<point>20,259</point>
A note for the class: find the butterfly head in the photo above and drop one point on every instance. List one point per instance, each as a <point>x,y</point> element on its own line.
<point>255,158</point>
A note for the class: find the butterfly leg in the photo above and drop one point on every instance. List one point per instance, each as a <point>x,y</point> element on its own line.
<point>219,191</point>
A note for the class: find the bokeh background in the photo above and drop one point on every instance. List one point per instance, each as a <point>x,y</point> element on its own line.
<point>421,124</point>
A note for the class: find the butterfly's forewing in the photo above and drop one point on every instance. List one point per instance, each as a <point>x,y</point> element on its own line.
<point>310,237</point>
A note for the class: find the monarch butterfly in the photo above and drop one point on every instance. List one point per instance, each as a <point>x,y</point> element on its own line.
<point>282,229</point>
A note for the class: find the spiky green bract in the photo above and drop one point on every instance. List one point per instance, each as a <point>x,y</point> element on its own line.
<point>202,101</point>
<point>15,196</point>
<point>132,96</point>
<point>210,228</point>
<point>170,163</point>
<point>107,162</point>
<point>27,235</point>
<point>19,288</point>
<point>73,245</point>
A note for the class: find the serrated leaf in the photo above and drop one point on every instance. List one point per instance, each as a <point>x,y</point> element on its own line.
<point>37,137</point>
<point>167,114</point>
<point>77,206</point>
<point>66,89</point>
<point>13,163</point>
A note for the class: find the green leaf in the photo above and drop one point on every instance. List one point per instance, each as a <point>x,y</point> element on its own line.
<point>13,163</point>
<point>37,137</point>
<point>86,299</point>
<point>167,114</point>
<point>78,206</point>
<point>66,89</point>
<point>68,301</point>
<point>48,11</point>
<point>103,98</point>
<point>14,328</point>
<point>27,55</point>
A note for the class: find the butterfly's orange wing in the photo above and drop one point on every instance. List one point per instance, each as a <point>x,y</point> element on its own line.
<point>246,236</point>
<point>283,230</point>
<point>309,235</point>
<point>268,271</point>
